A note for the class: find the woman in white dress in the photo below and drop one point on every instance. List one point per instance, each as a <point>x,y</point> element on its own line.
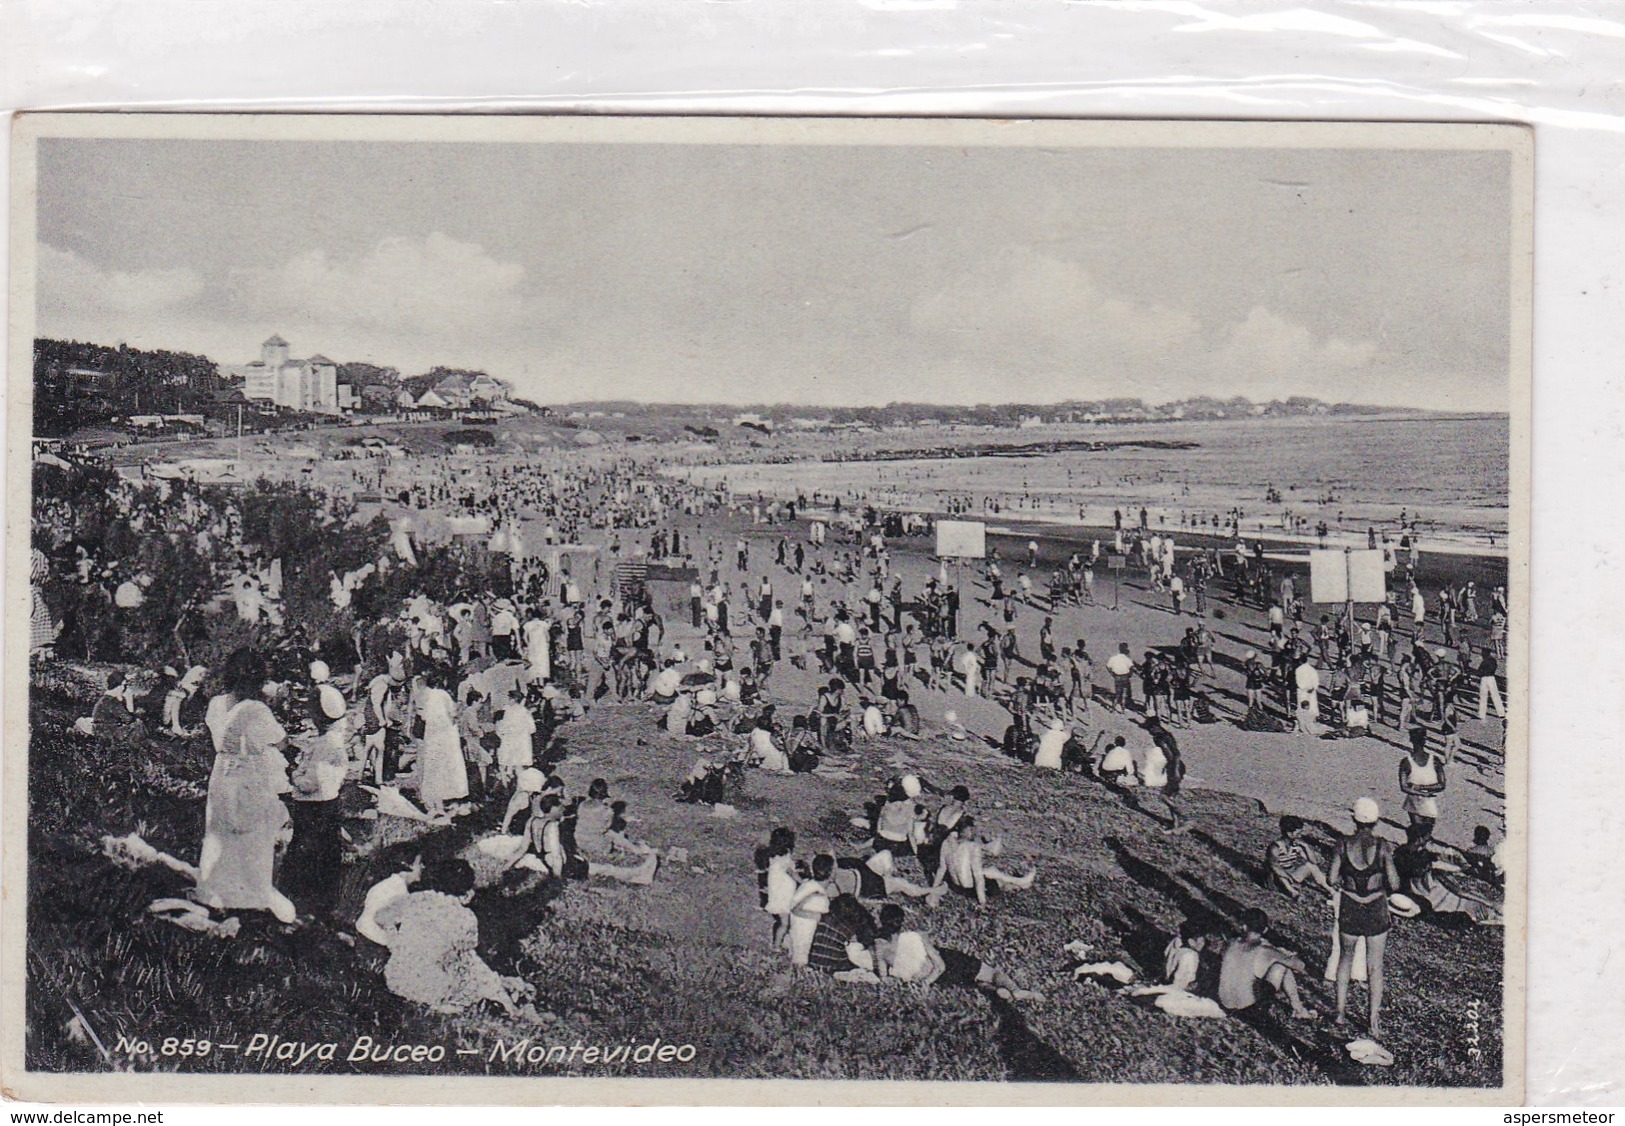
<point>244,816</point>
<point>442,772</point>
<point>538,656</point>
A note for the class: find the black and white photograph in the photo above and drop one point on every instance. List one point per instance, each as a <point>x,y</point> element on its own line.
<point>566,606</point>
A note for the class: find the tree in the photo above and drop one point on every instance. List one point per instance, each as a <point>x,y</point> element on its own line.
<point>359,375</point>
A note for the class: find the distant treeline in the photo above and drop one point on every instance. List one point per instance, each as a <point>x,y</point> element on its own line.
<point>81,385</point>
<point>986,414</point>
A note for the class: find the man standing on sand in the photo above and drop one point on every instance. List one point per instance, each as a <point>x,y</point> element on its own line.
<point>1256,678</point>
<point>1489,688</point>
<point>775,629</point>
<point>1307,679</point>
<point>970,665</point>
<point>1122,667</point>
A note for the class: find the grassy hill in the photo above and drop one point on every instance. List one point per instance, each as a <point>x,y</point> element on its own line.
<point>688,959</point>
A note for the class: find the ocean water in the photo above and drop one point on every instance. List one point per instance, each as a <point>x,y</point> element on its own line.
<point>1451,474</point>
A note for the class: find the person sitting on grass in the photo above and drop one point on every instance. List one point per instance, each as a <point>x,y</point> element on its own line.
<point>392,887</point>
<point>843,941</point>
<point>909,956</point>
<point>114,720</point>
<point>801,747</point>
<point>763,752</point>
<point>598,828</point>
<point>432,938</point>
<point>1181,968</point>
<point>1420,860</point>
<point>554,832</point>
<point>875,877</point>
<point>899,822</point>
<point>678,714</point>
<point>1116,767</point>
<point>1483,858</point>
<point>1250,959</point>
<point>809,903</point>
<point>530,784</point>
<point>1289,861</point>
<point>1052,745</point>
<point>874,720</point>
<point>702,720</point>
<point>181,692</point>
<point>664,685</point>
<point>1182,960</point>
<point>964,867</point>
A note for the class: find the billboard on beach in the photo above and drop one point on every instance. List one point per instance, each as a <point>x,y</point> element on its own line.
<point>961,539</point>
<point>1347,576</point>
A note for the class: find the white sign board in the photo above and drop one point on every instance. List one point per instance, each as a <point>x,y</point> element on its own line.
<point>469,525</point>
<point>1347,576</point>
<point>961,539</point>
<point>1328,577</point>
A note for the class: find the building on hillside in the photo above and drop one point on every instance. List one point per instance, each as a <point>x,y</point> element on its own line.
<point>452,391</point>
<point>461,391</point>
<point>276,377</point>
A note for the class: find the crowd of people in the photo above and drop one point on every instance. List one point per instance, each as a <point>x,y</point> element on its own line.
<point>448,722</point>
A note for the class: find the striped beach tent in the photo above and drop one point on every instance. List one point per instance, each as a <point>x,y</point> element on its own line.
<point>630,576</point>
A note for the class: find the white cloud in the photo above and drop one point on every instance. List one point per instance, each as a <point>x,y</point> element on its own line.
<point>1052,322</point>
<point>1031,296</point>
<point>416,286</point>
<point>73,291</point>
<point>1270,356</point>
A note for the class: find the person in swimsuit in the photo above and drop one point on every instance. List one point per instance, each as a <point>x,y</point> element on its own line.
<point>1250,959</point>
<point>1421,779</point>
<point>964,868</point>
<point>1363,874</point>
<point>909,956</point>
<point>1290,862</point>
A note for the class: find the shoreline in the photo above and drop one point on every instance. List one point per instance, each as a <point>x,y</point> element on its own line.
<point>1070,530</point>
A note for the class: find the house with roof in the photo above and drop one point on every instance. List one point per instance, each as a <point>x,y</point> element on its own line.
<point>462,390</point>
<point>488,389</point>
<point>454,391</point>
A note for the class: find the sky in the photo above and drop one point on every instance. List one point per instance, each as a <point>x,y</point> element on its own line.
<point>818,274</point>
